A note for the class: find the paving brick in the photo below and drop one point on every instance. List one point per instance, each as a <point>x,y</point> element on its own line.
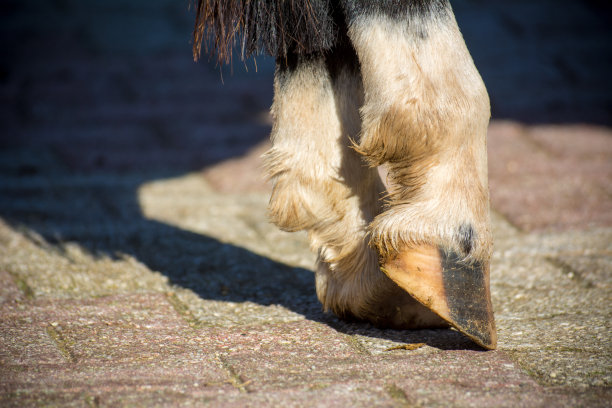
<point>105,345</point>
<point>166,376</point>
<point>241,174</point>
<point>539,183</point>
<point>42,331</point>
<point>588,270</point>
<point>308,353</point>
<point>347,394</point>
<point>293,339</point>
<point>22,343</point>
<point>543,310</point>
<point>86,274</point>
<point>584,144</point>
<point>435,379</point>
<point>150,310</point>
<point>44,399</point>
<point>148,396</point>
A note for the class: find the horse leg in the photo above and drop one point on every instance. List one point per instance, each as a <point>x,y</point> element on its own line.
<point>425,117</point>
<point>322,185</point>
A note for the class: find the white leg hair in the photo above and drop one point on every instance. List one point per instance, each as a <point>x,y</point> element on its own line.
<point>425,115</point>
<point>322,185</point>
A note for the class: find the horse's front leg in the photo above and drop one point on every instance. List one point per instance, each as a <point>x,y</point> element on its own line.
<point>425,117</point>
<point>323,186</point>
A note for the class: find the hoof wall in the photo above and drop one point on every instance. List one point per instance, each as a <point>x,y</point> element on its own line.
<point>456,291</point>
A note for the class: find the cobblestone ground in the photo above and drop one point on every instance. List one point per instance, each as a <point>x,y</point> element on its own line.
<point>137,267</point>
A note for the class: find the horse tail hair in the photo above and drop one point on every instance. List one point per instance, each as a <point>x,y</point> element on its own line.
<point>274,27</point>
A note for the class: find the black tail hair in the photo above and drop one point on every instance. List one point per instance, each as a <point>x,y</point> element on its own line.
<point>275,27</point>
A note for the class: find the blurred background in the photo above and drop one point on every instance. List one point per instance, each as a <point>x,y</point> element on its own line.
<point>101,97</point>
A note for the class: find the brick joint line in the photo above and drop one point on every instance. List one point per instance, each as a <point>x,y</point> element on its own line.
<point>183,310</point>
<point>92,401</point>
<point>22,285</point>
<point>357,345</point>
<point>234,378</point>
<point>397,394</point>
<point>569,271</point>
<point>61,344</point>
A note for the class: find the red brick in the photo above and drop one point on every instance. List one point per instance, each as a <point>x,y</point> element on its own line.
<point>105,345</point>
<point>541,183</point>
<point>346,394</point>
<point>22,343</point>
<point>242,174</point>
<point>144,309</point>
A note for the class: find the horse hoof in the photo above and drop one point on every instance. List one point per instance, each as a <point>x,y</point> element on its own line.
<point>454,289</point>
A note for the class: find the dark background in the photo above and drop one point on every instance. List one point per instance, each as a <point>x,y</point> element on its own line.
<point>68,64</point>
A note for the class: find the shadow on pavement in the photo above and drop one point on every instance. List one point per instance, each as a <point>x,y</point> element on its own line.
<point>103,216</point>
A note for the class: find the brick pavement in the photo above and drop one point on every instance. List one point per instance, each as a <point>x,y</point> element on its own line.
<point>137,267</point>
